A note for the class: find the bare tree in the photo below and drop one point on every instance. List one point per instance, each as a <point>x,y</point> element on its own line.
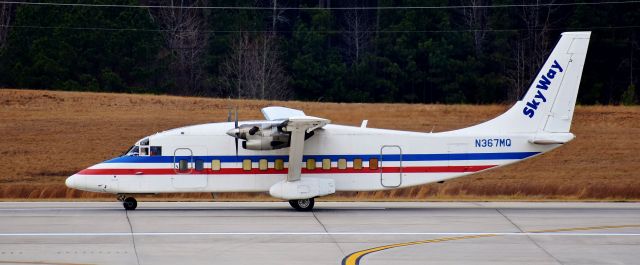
<point>233,70</point>
<point>271,73</point>
<point>277,16</point>
<point>6,14</point>
<point>476,20</point>
<point>536,20</point>
<point>531,48</point>
<point>254,69</point>
<point>186,39</point>
<point>357,35</point>
<point>517,72</point>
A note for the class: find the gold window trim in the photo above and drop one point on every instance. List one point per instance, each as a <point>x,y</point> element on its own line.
<point>326,164</point>
<point>342,163</point>
<point>357,163</point>
<point>311,164</point>
<point>216,165</point>
<point>279,164</point>
<point>246,164</point>
<point>373,164</point>
<point>263,164</point>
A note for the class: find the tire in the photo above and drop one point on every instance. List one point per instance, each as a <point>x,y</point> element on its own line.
<point>130,203</point>
<point>303,205</point>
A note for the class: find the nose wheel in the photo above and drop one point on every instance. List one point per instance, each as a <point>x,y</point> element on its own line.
<point>129,203</point>
<point>303,205</point>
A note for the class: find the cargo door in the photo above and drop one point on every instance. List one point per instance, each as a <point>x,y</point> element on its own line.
<point>391,166</point>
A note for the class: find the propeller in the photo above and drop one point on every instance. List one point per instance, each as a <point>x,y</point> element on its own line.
<point>236,127</point>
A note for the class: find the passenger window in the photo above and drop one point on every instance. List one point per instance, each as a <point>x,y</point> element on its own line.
<point>342,163</point>
<point>215,165</point>
<point>311,164</point>
<point>246,164</point>
<point>183,165</point>
<point>326,164</point>
<point>279,164</point>
<point>144,151</point>
<point>156,151</point>
<point>199,164</point>
<point>357,163</point>
<point>264,164</point>
<point>373,163</point>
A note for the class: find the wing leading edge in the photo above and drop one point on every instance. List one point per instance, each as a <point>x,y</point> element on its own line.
<point>280,113</point>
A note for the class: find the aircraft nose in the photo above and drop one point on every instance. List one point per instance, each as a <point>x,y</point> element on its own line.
<point>71,181</point>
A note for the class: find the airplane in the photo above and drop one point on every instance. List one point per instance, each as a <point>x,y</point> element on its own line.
<point>297,158</point>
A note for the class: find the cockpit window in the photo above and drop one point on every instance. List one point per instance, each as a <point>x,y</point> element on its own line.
<point>144,141</point>
<point>144,151</point>
<point>133,151</point>
<point>156,151</point>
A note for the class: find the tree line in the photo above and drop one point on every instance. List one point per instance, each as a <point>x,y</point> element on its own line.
<point>473,51</point>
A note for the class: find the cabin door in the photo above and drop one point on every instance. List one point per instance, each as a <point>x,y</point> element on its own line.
<point>391,166</point>
<point>188,170</point>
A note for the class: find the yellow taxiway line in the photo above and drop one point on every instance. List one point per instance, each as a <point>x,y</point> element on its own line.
<point>354,258</point>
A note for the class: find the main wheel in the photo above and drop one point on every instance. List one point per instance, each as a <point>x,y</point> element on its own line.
<point>303,205</point>
<point>130,203</point>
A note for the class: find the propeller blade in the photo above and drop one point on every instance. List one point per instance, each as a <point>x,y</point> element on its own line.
<point>236,117</point>
<point>236,126</point>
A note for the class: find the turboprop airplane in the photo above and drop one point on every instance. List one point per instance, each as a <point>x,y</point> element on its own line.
<point>297,157</point>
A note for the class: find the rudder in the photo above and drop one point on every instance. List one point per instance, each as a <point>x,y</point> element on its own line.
<point>561,112</point>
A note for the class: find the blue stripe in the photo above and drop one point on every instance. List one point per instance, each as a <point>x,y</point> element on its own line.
<point>271,158</point>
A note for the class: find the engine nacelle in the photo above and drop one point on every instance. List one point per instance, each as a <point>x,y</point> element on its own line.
<point>264,143</point>
<point>305,188</point>
<point>263,136</point>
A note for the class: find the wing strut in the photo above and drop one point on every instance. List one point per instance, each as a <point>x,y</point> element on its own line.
<point>295,154</point>
<point>298,126</point>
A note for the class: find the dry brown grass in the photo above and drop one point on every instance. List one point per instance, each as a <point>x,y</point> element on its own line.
<point>48,135</point>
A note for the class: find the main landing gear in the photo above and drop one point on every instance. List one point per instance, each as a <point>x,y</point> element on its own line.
<point>303,205</point>
<point>129,203</point>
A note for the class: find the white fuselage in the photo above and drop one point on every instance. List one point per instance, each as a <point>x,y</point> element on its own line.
<point>357,159</point>
<point>206,158</point>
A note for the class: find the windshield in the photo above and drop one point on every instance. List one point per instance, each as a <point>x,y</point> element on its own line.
<point>133,151</point>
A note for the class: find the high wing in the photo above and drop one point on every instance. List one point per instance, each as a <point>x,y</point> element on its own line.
<point>280,113</point>
<point>298,127</point>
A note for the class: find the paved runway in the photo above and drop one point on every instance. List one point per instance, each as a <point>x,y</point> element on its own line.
<point>335,233</point>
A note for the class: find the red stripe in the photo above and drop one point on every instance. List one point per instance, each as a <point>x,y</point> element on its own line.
<point>233,171</point>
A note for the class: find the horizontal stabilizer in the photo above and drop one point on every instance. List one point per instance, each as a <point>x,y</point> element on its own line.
<point>552,138</point>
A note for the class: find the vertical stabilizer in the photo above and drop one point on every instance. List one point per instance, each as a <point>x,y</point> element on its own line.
<point>548,105</point>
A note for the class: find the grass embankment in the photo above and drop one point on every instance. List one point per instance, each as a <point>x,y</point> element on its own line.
<point>46,136</point>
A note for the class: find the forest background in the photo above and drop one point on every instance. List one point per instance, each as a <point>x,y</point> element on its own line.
<point>471,51</point>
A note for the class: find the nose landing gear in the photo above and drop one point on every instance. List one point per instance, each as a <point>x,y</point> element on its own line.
<point>129,203</point>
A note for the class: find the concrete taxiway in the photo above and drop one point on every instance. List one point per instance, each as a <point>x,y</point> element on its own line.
<point>335,233</point>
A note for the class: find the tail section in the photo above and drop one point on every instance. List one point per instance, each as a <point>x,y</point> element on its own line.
<point>547,107</point>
